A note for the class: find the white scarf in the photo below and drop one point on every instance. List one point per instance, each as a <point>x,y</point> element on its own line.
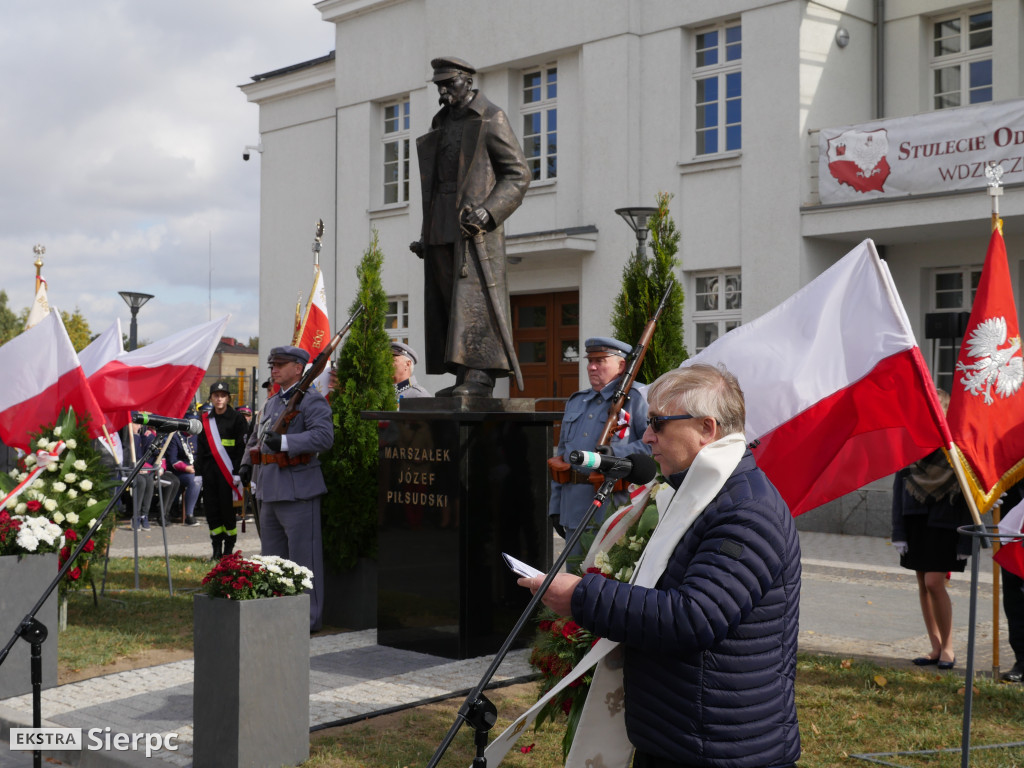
<point>601,735</point>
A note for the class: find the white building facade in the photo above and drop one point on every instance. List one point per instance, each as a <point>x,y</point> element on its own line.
<point>720,103</point>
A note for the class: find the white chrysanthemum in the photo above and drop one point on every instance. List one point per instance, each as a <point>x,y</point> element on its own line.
<point>72,518</point>
<point>307,583</point>
<point>49,505</point>
<point>42,442</point>
<point>80,465</point>
<point>58,517</point>
<point>86,485</point>
<point>57,431</point>
<point>72,493</point>
<point>70,477</point>
<point>59,487</point>
<point>71,443</point>
<point>601,562</point>
<point>26,540</point>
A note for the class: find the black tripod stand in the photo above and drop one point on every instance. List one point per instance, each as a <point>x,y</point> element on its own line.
<point>33,631</point>
<point>477,710</point>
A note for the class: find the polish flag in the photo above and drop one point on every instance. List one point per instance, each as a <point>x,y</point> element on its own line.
<point>159,378</point>
<point>837,392</point>
<point>315,333</point>
<point>42,377</point>
<point>1011,552</point>
<point>986,406</point>
<point>102,349</point>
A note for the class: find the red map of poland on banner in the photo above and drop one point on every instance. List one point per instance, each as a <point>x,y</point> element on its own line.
<point>986,408</point>
<point>857,159</point>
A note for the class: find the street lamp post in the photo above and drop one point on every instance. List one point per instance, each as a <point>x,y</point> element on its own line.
<point>134,301</point>
<point>637,218</point>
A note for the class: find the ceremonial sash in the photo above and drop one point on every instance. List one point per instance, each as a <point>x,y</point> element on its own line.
<point>220,455</point>
<point>43,459</point>
<point>601,735</point>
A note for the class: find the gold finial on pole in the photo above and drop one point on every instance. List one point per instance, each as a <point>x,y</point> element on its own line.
<point>38,250</point>
<point>994,174</point>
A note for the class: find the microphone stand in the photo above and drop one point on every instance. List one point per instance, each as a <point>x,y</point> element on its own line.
<point>34,632</point>
<point>477,710</point>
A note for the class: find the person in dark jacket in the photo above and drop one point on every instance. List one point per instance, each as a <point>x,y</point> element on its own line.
<point>710,650</point>
<point>218,458</point>
<point>927,508</point>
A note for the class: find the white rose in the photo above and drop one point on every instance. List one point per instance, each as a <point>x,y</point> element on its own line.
<point>72,493</point>
<point>86,485</point>
<point>42,442</point>
<point>53,467</point>
<point>71,444</point>
<point>58,517</point>
<point>30,460</point>
<point>14,474</point>
<point>57,431</point>
<point>70,477</point>
<point>22,476</point>
<point>59,487</point>
<point>51,446</point>
<point>90,501</point>
<point>49,505</point>
<point>72,518</point>
<point>80,465</point>
<point>38,484</point>
<point>20,508</point>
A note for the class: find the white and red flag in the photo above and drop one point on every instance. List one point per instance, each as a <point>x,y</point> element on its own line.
<point>986,405</point>
<point>1011,554</point>
<point>42,377</point>
<point>101,350</point>
<point>159,378</point>
<point>315,333</point>
<point>837,392</point>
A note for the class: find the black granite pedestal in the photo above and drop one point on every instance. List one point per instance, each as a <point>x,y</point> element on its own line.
<point>461,481</point>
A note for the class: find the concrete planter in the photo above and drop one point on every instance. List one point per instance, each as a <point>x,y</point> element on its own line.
<point>250,701</point>
<point>22,581</point>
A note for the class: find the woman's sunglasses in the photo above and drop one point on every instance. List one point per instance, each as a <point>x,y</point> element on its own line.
<point>657,422</point>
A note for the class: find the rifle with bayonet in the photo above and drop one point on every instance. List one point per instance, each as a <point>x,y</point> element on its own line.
<point>312,373</point>
<point>621,395</point>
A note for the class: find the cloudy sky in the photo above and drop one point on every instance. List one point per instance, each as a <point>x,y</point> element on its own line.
<point>122,129</point>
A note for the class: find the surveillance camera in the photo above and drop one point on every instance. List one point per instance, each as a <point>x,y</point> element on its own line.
<point>254,147</point>
<point>245,155</point>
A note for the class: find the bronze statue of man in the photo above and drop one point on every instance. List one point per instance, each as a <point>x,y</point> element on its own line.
<point>473,175</point>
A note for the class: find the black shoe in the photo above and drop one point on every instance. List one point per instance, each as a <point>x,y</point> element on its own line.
<point>1015,675</point>
<point>191,522</point>
<point>925,661</point>
<point>145,523</point>
<point>947,664</point>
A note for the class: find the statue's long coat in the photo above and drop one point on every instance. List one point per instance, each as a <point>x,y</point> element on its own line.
<point>492,174</point>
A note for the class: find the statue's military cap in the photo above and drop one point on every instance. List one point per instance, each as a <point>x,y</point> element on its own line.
<point>447,67</point>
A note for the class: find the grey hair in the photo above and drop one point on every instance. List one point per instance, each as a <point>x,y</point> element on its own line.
<point>700,390</point>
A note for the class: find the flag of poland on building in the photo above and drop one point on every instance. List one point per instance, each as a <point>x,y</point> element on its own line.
<point>836,390</point>
<point>160,378</point>
<point>42,377</point>
<point>315,334</point>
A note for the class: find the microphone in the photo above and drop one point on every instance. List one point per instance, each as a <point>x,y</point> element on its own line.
<point>167,424</point>
<point>638,468</point>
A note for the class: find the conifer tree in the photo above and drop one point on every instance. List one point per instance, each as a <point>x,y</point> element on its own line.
<point>365,368</point>
<point>644,281</point>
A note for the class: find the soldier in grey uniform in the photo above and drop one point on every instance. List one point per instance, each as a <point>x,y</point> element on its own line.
<point>290,481</point>
<point>473,175</point>
<point>404,358</point>
<point>586,413</point>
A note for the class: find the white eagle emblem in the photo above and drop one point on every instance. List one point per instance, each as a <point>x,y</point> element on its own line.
<point>999,367</point>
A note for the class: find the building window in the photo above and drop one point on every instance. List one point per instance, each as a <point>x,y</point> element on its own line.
<point>718,305</point>
<point>962,59</point>
<point>718,88</point>
<point>397,319</point>
<point>540,121</point>
<point>396,151</point>
<point>952,290</point>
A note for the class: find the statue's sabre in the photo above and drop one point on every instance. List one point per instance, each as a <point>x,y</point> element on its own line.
<point>476,234</point>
